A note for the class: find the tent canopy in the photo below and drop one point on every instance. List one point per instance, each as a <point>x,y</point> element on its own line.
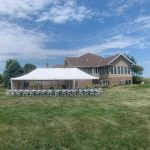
<point>44,74</point>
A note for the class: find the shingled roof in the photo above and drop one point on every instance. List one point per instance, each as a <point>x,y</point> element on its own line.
<point>90,60</point>
<point>86,60</point>
<point>108,60</point>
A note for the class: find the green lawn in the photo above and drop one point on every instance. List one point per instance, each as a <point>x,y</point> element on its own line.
<point>118,120</point>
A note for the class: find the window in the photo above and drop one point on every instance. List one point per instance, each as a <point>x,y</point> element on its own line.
<point>125,69</point>
<point>96,71</point>
<point>115,70</point>
<point>106,70</point>
<point>111,70</point>
<point>100,71</point>
<point>118,69</point>
<point>129,71</point>
<point>105,83</point>
<point>93,70</point>
<point>103,71</point>
<point>121,69</point>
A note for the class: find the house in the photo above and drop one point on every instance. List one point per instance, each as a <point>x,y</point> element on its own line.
<point>111,70</point>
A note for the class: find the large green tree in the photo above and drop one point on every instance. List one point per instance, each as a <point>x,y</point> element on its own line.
<point>1,79</point>
<point>12,69</point>
<point>28,68</point>
<point>137,70</point>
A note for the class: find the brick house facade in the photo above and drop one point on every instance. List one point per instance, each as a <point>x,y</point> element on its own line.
<point>111,70</point>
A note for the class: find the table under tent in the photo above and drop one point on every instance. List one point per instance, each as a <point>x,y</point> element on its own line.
<point>44,80</point>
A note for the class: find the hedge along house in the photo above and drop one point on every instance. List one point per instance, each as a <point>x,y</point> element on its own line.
<point>111,70</point>
<point>45,78</point>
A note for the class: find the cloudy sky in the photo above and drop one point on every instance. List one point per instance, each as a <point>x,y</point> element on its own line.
<point>46,31</point>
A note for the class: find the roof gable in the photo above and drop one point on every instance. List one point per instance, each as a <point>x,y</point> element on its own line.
<point>121,55</point>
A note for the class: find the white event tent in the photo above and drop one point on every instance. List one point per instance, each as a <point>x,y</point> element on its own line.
<point>51,74</point>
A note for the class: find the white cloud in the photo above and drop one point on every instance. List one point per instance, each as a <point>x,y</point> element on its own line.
<point>58,11</point>
<point>117,8</point>
<point>67,12</point>
<point>122,8</point>
<point>17,42</point>
<point>22,8</point>
<point>20,43</point>
<point>143,21</point>
<point>116,42</point>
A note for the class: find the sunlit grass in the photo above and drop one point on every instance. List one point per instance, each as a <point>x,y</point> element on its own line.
<point>119,120</point>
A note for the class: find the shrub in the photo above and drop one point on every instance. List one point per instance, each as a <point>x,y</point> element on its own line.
<point>137,79</point>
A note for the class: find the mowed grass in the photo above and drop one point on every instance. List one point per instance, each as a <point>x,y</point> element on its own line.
<point>117,120</point>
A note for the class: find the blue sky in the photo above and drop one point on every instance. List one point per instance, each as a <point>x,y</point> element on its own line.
<point>47,31</point>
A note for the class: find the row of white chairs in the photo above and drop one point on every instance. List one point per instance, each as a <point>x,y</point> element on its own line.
<point>56,92</point>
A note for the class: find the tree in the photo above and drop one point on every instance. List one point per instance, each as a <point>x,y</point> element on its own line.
<point>137,70</point>
<point>131,58</point>
<point>28,68</point>
<point>1,79</point>
<point>12,69</point>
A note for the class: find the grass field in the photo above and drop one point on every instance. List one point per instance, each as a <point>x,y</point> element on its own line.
<point>117,120</point>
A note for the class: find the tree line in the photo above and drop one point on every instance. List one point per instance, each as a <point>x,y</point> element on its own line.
<point>14,69</point>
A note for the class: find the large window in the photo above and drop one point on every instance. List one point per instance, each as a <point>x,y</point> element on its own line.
<point>96,70</point>
<point>102,71</point>
<point>129,71</point>
<point>115,70</point>
<point>118,69</point>
<point>111,70</point>
<point>125,69</point>
<point>121,69</point>
<point>106,70</point>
